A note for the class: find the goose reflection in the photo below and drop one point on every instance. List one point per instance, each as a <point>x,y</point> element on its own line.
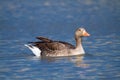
<point>78,60</point>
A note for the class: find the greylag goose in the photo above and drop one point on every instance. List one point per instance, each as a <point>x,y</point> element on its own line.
<point>51,48</point>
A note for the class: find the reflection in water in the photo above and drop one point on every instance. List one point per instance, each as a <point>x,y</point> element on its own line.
<point>77,60</point>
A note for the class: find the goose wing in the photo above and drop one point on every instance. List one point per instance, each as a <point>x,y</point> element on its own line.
<point>44,39</point>
<point>68,45</point>
<point>49,45</point>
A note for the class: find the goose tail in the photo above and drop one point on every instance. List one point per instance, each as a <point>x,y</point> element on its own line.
<point>36,51</point>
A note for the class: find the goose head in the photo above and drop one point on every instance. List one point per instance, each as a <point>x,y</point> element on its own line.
<point>81,32</point>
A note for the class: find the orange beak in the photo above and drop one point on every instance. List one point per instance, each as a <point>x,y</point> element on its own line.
<point>86,34</point>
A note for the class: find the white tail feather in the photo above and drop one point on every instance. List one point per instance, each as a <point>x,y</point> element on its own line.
<point>36,51</point>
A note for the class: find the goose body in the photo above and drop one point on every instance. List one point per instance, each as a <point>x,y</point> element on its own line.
<point>48,47</point>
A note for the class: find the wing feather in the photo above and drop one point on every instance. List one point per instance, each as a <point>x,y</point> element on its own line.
<point>48,44</point>
<point>44,39</point>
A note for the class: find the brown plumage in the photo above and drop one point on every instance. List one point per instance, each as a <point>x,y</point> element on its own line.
<point>54,44</point>
<point>50,47</point>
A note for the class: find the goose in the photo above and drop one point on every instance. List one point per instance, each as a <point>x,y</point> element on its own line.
<point>52,48</point>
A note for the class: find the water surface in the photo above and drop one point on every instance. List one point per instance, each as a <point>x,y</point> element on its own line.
<point>22,21</point>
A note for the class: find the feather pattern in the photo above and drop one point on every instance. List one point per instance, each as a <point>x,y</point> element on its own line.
<point>53,48</point>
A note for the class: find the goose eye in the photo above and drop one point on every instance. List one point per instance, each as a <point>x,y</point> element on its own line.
<point>79,29</point>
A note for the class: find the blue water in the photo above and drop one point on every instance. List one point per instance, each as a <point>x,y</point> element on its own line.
<point>22,20</point>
